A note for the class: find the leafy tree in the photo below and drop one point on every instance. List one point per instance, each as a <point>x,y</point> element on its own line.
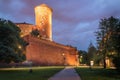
<point>114,41</point>
<point>82,57</point>
<point>11,44</point>
<point>100,39</point>
<point>35,33</point>
<point>108,38</point>
<point>91,53</point>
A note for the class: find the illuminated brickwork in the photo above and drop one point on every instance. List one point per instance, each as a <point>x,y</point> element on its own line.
<point>43,17</point>
<point>25,28</point>
<point>43,52</point>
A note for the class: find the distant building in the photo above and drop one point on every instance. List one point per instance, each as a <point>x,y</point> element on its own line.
<point>44,51</point>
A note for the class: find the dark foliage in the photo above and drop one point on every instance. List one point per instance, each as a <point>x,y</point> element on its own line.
<point>11,44</point>
<point>116,62</point>
<point>35,33</point>
<point>108,38</point>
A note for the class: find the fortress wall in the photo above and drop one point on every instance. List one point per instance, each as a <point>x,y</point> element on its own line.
<point>25,28</point>
<point>43,52</point>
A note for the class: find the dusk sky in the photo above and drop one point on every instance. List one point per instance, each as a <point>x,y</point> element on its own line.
<point>74,21</point>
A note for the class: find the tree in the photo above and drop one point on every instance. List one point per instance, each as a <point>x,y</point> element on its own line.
<point>35,33</point>
<point>115,41</point>
<point>82,57</point>
<point>100,39</point>
<point>11,44</point>
<point>91,53</point>
<point>108,37</point>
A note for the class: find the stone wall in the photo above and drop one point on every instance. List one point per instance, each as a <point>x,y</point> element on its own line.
<point>45,52</point>
<point>25,28</point>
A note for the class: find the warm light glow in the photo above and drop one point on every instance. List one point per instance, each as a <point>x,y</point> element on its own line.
<point>81,56</point>
<point>43,15</point>
<point>21,35</point>
<point>108,62</point>
<point>63,54</point>
<point>19,47</point>
<point>50,20</point>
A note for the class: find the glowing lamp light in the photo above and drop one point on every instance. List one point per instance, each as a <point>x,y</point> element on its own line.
<point>63,54</point>
<point>19,47</point>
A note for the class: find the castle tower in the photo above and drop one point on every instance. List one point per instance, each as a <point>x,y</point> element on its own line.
<point>43,19</point>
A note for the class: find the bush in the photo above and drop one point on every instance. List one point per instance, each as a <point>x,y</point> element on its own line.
<point>116,62</point>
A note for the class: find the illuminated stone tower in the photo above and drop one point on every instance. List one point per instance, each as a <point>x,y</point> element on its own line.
<point>43,19</point>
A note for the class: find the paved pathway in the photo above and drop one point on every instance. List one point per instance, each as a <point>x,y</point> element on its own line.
<point>68,73</point>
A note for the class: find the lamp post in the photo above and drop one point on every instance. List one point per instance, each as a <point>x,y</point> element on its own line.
<point>91,64</point>
<point>77,60</point>
<point>30,64</point>
<point>63,59</point>
<point>81,59</point>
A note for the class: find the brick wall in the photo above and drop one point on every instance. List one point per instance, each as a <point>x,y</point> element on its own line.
<point>45,52</point>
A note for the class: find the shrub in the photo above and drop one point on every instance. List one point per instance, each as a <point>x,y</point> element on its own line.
<point>116,62</point>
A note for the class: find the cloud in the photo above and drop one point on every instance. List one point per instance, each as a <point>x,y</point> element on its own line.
<point>74,21</point>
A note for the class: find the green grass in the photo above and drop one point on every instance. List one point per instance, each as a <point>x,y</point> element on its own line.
<point>98,74</point>
<point>39,73</point>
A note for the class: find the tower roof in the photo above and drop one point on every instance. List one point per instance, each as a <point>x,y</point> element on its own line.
<point>45,5</point>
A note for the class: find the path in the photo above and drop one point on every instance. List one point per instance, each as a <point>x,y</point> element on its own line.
<point>68,73</point>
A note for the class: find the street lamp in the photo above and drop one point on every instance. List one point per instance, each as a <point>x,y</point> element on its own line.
<point>77,60</point>
<point>30,64</point>
<point>63,58</point>
<point>91,64</point>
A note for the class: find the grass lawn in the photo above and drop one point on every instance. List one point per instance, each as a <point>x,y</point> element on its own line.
<point>98,74</point>
<point>39,73</point>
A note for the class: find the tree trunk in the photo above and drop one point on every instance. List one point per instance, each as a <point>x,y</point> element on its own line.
<point>104,60</point>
